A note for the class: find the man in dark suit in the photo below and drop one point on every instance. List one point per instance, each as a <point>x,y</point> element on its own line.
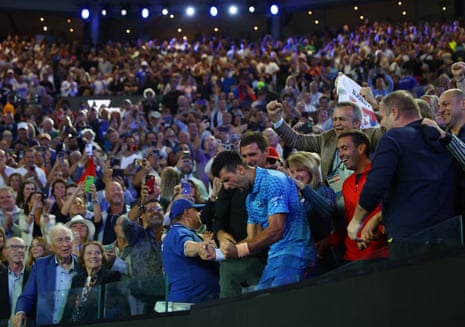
<point>412,176</point>
<point>13,279</point>
<point>50,277</point>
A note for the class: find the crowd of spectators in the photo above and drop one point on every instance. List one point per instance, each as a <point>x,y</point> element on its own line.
<point>96,168</point>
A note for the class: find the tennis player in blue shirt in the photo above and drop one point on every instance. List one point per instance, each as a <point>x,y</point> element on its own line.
<point>276,220</point>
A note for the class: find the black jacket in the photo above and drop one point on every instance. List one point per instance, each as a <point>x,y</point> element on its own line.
<point>5,308</point>
<point>88,311</point>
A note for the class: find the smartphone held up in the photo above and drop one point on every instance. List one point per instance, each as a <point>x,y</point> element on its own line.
<point>89,182</point>
<point>150,183</point>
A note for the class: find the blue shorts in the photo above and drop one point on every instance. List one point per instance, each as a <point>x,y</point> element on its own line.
<point>282,270</point>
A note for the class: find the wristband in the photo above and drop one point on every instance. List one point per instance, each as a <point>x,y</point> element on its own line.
<point>242,250</point>
<point>219,256</point>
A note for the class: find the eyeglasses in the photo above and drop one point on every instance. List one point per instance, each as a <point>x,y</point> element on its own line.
<point>17,247</point>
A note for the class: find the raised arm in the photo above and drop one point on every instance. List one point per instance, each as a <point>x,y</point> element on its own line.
<point>288,135</point>
<point>452,143</point>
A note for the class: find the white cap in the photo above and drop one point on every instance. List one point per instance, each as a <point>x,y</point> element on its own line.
<point>87,222</point>
<point>23,125</point>
<point>155,114</point>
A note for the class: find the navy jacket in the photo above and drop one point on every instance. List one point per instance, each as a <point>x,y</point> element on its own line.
<point>414,178</point>
<point>5,308</point>
<point>41,282</point>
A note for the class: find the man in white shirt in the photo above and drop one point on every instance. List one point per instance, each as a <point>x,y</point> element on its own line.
<point>30,171</point>
<point>69,87</point>
<point>308,101</point>
<point>5,170</point>
<point>13,279</point>
<point>315,93</point>
<point>9,212</point>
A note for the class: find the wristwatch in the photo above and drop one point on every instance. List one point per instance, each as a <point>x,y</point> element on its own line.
<point>459,79</point>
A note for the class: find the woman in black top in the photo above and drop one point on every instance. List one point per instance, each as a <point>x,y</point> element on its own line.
<point>85,299</point>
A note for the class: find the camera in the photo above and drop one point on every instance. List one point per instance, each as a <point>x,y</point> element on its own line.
<point>89,149</point>
<point>306,128</point>
<point>90,180</point>
<point>185,187</point>
<point>59,147</point>
<point>186,155</point>
<point>228,146</point>
<point>117,173</point>
<point>60,155</point>
<point>150,183</point>
<point>115,162</point>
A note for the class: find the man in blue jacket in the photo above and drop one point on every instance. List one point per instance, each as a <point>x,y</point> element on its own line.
<point>47,287</point>
<point>412,176</point>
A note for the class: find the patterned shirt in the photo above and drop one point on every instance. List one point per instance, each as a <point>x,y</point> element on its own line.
<point>145,251</point>
<point>274,193</point>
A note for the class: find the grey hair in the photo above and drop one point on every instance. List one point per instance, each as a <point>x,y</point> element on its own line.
<point>88,130</point>
<point>58,228</point>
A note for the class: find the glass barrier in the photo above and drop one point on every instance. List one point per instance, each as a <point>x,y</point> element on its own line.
<point>117,300</point>
<point>133,297</point>
<point>142,296</point>
<point>73,305</point>
<point>445,235</point>
<point>431,241</point>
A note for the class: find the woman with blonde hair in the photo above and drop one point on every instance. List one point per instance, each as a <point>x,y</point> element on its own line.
<point>38,248</point>
<point>319,200</point>
<point>291,87</point>
<point>170,177</point>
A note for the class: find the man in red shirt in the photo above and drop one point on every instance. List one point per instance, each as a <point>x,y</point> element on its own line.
<point>353,147</point>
